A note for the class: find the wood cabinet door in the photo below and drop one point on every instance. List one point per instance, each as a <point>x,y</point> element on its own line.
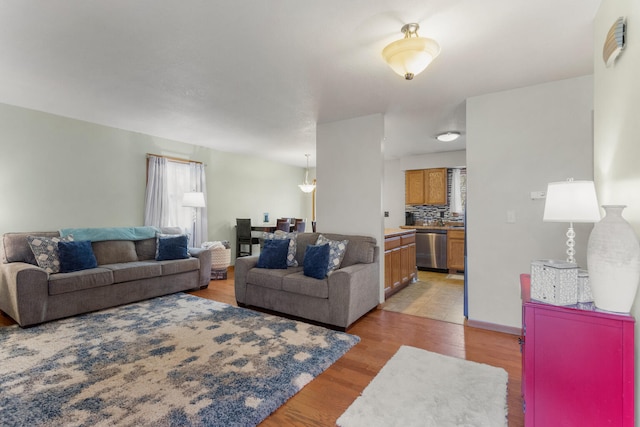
<point>435,186</point>
<point>408,263</point>
<point>455,253</point>
<point>414,187</point>
<point>396,270</point>
<point>388,277</point>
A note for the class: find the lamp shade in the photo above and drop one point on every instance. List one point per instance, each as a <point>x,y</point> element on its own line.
<point>410,56</point>
<point>193,200</point>
<point>571,201</point>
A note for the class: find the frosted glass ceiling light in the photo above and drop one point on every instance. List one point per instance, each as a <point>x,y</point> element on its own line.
<point>307,187</point>
<point>448,136</point>
<point>410,56</point>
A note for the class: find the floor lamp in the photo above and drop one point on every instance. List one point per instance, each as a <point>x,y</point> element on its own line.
<point>195,200</point>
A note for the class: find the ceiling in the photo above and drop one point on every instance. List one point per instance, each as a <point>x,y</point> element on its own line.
<point>257,76</point>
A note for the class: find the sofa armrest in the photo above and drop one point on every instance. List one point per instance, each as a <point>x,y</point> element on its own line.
<point>204,255</point>
<point>24,290</point>
<point>353,291</point>
<point>242,267</point>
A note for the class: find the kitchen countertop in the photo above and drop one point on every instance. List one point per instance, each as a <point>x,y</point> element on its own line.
<point>389,232</point>
<point>432,227</point>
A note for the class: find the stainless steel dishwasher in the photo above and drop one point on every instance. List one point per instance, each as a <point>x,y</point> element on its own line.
<point>431,249</point>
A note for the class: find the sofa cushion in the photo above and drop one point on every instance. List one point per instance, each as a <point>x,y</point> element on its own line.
<point>76,256</point>
<point>78,280</point>
<point>337,249</point>
<point>15,247</point>
<point>172,247</point>
<point>316,261</point>
<point>293,244</point>
<point>179,265</point>
<point>361,249</point>
<point>45,251</point>
<point>270,278</point>
<point>114,251</point>
<point>146,249</point>
<point>274,254</point>
<point>128,271</point>
<point>298,283</point>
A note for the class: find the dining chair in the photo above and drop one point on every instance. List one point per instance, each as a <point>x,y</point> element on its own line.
<point>300,225</point>
<point>283,224</point>
<point>244,237</point>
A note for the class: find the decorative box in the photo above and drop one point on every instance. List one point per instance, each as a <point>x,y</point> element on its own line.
<point>584,290</point>
<point>219,274</point>
<point>554,282</point>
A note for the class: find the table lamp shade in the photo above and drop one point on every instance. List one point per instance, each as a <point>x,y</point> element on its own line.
<point>193,200</point>
<point>571,201</point>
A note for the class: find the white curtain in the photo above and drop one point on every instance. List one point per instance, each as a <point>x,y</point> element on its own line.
<point>156,206</point>
<point>176,179</point>
<point>456,190</point>
<point>199,183</point>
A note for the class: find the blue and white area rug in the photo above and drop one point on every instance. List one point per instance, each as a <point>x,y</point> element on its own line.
<point>178,360</point>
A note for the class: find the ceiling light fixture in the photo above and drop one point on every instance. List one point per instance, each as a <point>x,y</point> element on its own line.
<point>448,136</point>
<point>306,186</point>
<point>410,56</point>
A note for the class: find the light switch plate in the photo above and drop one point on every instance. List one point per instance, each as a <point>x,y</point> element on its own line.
<point>536,195</point>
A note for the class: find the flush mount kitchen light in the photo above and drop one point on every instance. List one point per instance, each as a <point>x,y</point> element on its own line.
<point>412,54</point>
<point>448,136</point>
<point>306,186</point>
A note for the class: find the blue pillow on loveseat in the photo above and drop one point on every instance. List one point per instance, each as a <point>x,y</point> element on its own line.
<point>76,256</point>
<point>274,254</point>
<point>316,261</point>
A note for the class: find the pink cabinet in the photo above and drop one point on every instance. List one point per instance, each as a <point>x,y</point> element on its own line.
<point>578,366</point>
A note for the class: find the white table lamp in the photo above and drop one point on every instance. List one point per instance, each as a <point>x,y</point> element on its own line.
<point>571,201</point>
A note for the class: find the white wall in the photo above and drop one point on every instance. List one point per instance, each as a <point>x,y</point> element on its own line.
<point>517,142</point>
<point>617,126</point>
<point>446,159</point>
<point>349,169</point>
<point>58,172</point>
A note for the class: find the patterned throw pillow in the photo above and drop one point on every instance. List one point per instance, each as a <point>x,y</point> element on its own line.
<point>337,248</point>
<point>293,244</point>
<point>45,250</point>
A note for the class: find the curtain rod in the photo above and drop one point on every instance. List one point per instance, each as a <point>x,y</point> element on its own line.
<point>175,159</point>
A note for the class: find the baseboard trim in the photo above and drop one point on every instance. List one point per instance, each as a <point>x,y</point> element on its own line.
<point>494,327</point>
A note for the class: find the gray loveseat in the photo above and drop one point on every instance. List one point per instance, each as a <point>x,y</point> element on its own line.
<point>338,300</point>
<point>127,271</point>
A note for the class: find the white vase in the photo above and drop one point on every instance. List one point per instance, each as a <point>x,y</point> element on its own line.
<point>613,261</point>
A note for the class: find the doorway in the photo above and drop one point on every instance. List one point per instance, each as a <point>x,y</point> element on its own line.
<point>434,295</point>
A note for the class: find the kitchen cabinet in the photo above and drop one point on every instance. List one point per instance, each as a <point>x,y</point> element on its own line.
<point>578,365</point>
<point>455,250</point>
<point>399,260</point>
<point>426,187</point>
<point>414,187</point>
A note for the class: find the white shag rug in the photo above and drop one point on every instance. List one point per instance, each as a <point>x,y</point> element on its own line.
<point>419,388</point>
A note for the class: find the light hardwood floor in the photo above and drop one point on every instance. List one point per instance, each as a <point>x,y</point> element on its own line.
<point>381,332</point>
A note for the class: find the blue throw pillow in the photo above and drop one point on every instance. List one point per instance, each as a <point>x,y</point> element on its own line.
<point>274,254</point>
<point>174,247</point>
<point>316,261</point>
<point>76,256</point>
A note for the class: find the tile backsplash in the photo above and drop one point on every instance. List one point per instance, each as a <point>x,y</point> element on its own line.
<point>428,213</point>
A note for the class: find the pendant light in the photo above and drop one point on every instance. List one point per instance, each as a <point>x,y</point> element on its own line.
<point>306,186</point>
<point>411,55</point>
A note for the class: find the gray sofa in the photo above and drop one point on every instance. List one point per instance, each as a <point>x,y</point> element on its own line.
<point>337,301</point>
<point>127,271</point>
